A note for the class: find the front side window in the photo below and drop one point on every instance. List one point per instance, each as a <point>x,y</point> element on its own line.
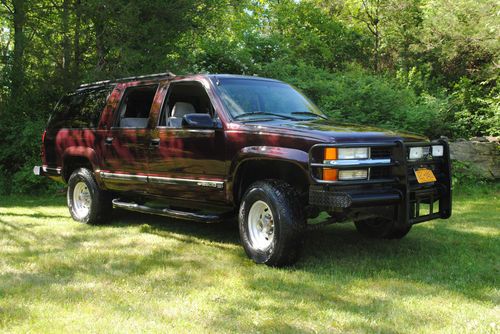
<point>184,98</point>
<point>257,98</point>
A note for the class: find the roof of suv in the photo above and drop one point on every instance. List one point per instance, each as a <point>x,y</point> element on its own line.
<point>128,79</point>
<point>237,76</point>
<point>167,75</point>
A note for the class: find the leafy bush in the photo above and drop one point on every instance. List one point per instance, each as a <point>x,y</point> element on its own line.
<point>475,109</point>
<point>25,181</point>
<point>19,153</point>
<point>465,173</point>
<point>358,96</point>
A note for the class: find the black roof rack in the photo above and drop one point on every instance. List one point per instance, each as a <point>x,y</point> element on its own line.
<point>140,77</point>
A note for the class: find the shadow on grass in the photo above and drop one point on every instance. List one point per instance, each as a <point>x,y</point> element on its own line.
<point>34,215</point>
<point>432,258</point>
<point>438,255</point>
<point>225,232</point>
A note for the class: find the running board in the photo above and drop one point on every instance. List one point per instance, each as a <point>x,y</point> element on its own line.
<point>205,218</point>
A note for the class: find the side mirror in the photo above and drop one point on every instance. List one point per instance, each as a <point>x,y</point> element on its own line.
<point>198,121</point>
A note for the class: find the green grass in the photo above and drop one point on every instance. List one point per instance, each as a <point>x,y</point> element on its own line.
<point>148,274</point>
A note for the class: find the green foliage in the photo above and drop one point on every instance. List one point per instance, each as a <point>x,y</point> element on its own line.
<point>24,181</point>
<point>465,174</point>
<point>475,111</point>
<point>428,66</point>
<point>357,96</point>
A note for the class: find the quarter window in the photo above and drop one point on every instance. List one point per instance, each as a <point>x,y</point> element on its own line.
<point>80,110</point>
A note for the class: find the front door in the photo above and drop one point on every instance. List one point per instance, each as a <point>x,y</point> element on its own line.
<point>126,143</point>
<point>184,163</point>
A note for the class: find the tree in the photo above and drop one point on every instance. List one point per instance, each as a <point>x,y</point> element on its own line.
<point>17,9</point>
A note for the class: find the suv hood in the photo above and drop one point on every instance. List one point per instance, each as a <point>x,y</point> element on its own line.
<point>330,130</point>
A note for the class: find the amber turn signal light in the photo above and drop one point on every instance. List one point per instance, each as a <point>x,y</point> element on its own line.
<point>330,153</point>
<point>330,174</point>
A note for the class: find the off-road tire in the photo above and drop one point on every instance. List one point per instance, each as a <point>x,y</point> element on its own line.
<point>289,222</point>
<point>381,228</point>
<point>100,208</point>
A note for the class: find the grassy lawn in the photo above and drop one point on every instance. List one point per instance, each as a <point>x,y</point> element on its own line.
<point>149,274</point>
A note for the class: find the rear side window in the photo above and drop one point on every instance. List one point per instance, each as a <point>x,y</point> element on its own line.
<point>80,110</point>
<point>135,107</point>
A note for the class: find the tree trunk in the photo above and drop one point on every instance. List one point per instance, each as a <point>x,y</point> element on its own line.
<point>376,33</point>
<point>76,41</point>
<point>17,73</point>
<point>66,63</point>
<point>377,47</point>
<point>100,44</point>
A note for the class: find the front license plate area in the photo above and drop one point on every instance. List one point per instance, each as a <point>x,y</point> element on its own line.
<point>425,175</point>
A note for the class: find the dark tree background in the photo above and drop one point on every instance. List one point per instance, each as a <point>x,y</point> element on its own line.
<point>427,66</point>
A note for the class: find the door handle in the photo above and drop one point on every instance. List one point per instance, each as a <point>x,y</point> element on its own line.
<point>108,140</point>
<point>155,142</point>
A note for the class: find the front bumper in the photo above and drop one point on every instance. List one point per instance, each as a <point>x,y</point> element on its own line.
<point>397,186</point>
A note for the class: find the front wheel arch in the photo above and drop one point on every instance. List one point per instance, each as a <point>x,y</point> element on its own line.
<point>252,170</point>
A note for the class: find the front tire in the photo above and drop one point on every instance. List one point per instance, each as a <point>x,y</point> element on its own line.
<point>271,223</point>
<point>87,203</point>
<point>381,228</point>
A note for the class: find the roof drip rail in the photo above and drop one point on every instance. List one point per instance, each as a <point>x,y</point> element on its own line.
<point>139,77</point>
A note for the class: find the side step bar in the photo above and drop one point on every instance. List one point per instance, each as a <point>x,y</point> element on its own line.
<point>205,218</point>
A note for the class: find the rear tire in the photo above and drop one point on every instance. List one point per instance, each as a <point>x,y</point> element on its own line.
<point>381,228</point>
<point>87,203</point>
<point>271,223</point>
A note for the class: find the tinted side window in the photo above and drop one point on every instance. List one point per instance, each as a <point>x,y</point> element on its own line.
<point>79,110</point>
<point>135,107</point>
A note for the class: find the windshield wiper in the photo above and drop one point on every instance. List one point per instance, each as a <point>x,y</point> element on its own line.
<point>264,113</point>
<point>308,113</point>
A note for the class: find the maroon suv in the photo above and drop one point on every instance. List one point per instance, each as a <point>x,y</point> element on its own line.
<point>210,147</point>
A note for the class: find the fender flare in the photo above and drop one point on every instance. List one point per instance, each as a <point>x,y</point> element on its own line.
<point>81,152</point>
<point>272,153</point>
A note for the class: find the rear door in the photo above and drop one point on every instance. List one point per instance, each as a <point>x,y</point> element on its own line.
<point>126,144</point>
<point>185,163</point>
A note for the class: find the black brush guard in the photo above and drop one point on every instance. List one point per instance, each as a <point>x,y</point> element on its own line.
<point>399,187</point>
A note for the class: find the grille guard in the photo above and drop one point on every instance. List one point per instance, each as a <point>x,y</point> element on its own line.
<point>401,179</point>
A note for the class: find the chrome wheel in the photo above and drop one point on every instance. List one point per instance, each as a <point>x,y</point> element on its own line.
<point>81,200</point>
<point>260,225</point>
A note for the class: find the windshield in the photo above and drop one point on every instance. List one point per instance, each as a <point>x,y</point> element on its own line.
<point>248,99</point>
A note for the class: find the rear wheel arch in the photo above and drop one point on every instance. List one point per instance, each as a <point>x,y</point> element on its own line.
<point>72,163</point>
<point>77,157</point>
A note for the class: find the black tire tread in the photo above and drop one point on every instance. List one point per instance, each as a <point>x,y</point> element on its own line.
<point>101,207</point>
<point>292,223</point>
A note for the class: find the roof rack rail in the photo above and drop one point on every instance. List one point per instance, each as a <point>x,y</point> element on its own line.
<point>139,77</point>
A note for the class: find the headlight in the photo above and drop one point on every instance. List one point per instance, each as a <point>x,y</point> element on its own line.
<point>353,174</point>
<point>353,153</point>
<point>437,150</point>
<point>417,153</point>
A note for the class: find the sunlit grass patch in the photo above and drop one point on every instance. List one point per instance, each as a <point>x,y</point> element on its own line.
<point>149,274</point>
